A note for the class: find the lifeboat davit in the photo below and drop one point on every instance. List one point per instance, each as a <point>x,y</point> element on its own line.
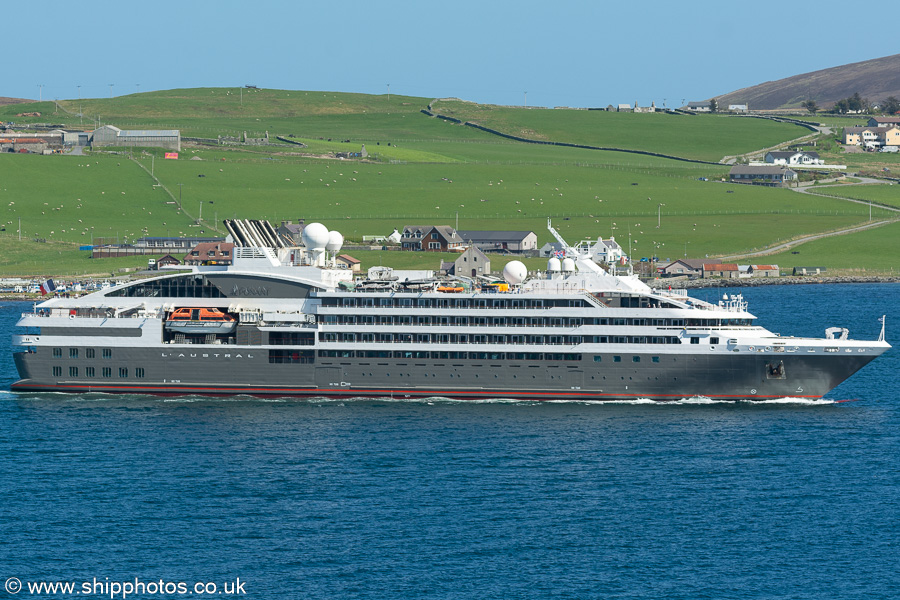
<point>200,320</point>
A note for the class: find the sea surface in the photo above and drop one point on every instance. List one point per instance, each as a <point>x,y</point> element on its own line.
<point>436,499</point>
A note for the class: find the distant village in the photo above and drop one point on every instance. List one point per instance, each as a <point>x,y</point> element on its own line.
<point>475,248</point>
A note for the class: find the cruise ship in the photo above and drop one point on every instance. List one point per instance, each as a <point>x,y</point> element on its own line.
<point>283,320</point>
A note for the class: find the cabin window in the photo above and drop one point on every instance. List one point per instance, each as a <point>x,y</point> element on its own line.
<point>617,359</point>
<point>73,352</point>
<point>695,340</point>
<point>57,353</point>
<point>89,371</point>
<point>598,358</point>
<point>123,372</point>
<point>636,359</point>
<point>73,371</point>
<point>107,353</point>
<point>57,371</point>
<point>139,372</point>
<point>107,372</point>
<point>89,353</point>
<point>713,340</point>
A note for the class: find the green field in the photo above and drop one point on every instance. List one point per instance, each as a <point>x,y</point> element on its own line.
<point>703,137</point>
<point>875,251</point>
<point>421,171</point>
<point>877,193</point>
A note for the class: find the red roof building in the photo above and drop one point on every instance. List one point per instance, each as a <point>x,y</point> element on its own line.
<point>210,253</point>
<point>725,270</point>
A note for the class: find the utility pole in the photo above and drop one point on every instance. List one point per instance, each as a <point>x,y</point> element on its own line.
<point>20,229</point>
<point>659,215</point>
<point>179,194</point>
<point>40,92</point>
<point>526,99</point>
<point>110,90</point>
<point>389,92</point>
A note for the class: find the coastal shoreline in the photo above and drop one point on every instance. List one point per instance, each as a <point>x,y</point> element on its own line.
<point>760,281</point>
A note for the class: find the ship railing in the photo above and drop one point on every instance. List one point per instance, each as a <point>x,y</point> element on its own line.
<point>94,313</point>
<point>672,293</point>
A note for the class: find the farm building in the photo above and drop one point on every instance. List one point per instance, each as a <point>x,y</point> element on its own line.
<point>764,271</point>
<point>698,106</point>
<point>690,267</point>
<point>471,263</point>
<point>345,261</point>
<point>109,135</point>
<point>291,230</point>
<point>549,249</point>
<point>29,144</point>
<point>210,253</point>
<point>511,241</point>
<point>884,122</point>
<point>167,261</point>
<point>723,270</point>
<point>172,243</point>
<point>762,175</point>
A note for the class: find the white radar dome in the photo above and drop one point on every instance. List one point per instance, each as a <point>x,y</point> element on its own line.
<point>315,236</point>
<point>568,265</point>
<point>515,272</point>
<point>554,264</point>
<point>335,241</point>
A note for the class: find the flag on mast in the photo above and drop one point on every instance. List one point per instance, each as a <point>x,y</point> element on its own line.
<point>47,287</point>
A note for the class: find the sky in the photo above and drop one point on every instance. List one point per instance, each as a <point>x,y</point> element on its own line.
<point>578,53</point>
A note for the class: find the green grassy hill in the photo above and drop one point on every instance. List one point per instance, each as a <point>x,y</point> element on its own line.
<point>702,137</point>
<point>421,170</point>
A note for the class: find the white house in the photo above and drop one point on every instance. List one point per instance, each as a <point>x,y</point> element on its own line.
<point>606,251</point>
<point>698,106</point>
<point>794,158</point>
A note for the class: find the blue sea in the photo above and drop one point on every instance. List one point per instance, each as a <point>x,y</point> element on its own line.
<point>130,496</point>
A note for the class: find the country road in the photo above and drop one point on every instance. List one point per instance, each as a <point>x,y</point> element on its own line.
<point>808,238</point>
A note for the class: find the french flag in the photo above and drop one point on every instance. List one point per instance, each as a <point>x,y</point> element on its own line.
<point>47,287</point>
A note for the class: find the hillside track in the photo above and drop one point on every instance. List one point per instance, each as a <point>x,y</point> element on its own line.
<point>776,249</point>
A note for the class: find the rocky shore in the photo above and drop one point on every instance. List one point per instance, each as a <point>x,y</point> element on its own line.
<point>758,281</point>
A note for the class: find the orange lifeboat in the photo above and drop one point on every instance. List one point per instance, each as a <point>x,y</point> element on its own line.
<point>200,320</point>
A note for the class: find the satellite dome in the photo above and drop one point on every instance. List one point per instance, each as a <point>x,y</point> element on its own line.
<point>335,241</point>
<point>554,264</point>
<point>515,272</point>
<point>315,236</point>
<point>568,265</point>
